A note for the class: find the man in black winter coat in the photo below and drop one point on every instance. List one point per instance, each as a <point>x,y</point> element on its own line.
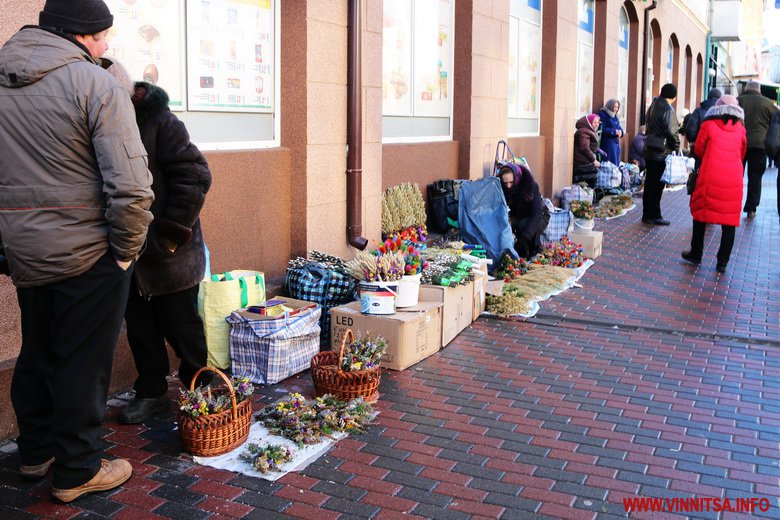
<point>693,124</point>
<point>662,139</point>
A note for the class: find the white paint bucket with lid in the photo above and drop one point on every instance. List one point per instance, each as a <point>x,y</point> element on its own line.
<point>378,297</point>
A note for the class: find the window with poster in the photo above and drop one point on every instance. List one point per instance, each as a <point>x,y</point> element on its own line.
<point>525,61</point>
<point>670,62</point>
<point>624,32</point>
<point>585,26</point>
<point>650,77</point>
<point>217,60</point>
<point>417,57</point>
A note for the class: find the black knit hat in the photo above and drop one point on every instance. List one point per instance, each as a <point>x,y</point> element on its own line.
<point>669,91</point>
<point>76,16</point>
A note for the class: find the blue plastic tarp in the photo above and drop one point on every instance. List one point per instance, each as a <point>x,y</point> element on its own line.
<point>483,218</point>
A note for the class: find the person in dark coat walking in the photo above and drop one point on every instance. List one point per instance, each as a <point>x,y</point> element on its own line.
<point>662,139</point>
<point>717,198</point>
<point>162,304</point>
<point>697,116</point>
<point>611,131</point>
<point>586,149</point>
<point>528,215</point>
<point>758,114</point>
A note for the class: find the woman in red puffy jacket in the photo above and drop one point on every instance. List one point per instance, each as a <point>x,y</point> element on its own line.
<point>717,199</point>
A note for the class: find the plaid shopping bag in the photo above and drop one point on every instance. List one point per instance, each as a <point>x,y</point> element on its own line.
<point>317,283</point>
<point>625,173</point>
<point>271,350</point>
<point>575,192</point>
<point>561,222</point>
<point>608,176</point>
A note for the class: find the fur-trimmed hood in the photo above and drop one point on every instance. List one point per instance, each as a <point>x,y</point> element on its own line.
<point>148,100</point>
<point>718,111</point>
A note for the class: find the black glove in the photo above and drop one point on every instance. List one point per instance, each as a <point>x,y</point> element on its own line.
<point>4,269</point>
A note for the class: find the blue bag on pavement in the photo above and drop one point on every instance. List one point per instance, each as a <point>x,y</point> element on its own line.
<point>483,217</point>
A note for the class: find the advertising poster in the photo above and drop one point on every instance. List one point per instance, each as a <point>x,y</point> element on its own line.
<point>147,39</point>
<point>397,58</point>
<point>529,78</point>
<point>230,50</point>
<point>433,58</point>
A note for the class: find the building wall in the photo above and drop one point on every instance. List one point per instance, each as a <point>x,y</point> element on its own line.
<point>269,205</point>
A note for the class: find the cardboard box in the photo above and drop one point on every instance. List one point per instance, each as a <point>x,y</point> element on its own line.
<point>590,242</point>
<point>412,333</point>
<point>480,291</point>
<point>291,303</point>
<point>458,307</point>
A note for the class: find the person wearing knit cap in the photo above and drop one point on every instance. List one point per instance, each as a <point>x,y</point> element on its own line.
<point>717,197</point>
<point>80,17</point>
<point>694,122</point>
<point>587,153</point>
<point>662,139</point>
<point>70,254</point>
<point>758,114</point>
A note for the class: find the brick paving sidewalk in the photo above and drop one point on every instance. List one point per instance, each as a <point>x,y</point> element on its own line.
<point>654,379</point>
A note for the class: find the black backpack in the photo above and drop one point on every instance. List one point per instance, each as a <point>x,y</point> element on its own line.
<point>442,204</point>
<point>692,125</point>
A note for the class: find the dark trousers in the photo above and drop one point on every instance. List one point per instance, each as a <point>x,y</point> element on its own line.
<point>60,383</point>
<point>726,241</point>
<point>149,323</point>
<point>777,164</point>
<point>654,189</point>
<point>755,158</point>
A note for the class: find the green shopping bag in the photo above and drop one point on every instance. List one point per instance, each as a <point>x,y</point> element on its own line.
<point>218,296</point>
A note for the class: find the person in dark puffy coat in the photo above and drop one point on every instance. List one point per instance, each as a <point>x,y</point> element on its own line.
<point>662,139</point>
<point>586,148</point>
<point>163,295</point>
<point>636,153</point>
<point>717,198</point>
<point>697,116</point>
<point>611,131</point>
<point>528,215</point>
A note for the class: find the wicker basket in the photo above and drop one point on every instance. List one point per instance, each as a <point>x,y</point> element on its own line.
<point>211,435</point>
<point>329,378</point>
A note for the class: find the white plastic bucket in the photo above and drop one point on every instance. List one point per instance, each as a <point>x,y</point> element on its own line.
<point>584,225</point>
<point>408,290</point>
<point>378,297</point>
